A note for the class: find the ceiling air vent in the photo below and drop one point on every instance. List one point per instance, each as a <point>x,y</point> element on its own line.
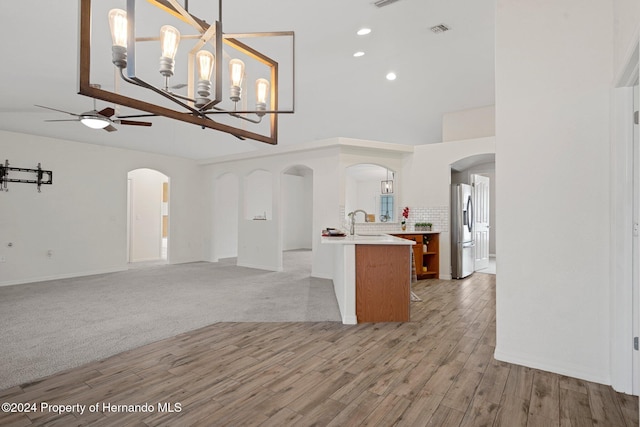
<point>439,28</point>
<point>383,3</point>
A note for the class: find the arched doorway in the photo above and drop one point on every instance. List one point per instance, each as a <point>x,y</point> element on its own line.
<point>296,203</point>
<point>479,172</point>
<point>370,187</point>
<point>148,213</point>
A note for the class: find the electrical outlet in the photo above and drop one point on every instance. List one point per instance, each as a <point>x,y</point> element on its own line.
<point>3,259</point>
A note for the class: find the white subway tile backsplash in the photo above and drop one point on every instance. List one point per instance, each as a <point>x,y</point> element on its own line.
<point>436,215</point>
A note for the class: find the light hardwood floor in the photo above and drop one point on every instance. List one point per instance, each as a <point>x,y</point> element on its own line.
<point>436,370</point>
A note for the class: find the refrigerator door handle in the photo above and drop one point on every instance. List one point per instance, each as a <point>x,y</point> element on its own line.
<point>470,214</point>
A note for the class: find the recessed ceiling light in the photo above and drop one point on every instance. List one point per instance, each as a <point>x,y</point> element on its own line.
<point>358,54</point>
<point>391,76</point>
<point>363,31</point>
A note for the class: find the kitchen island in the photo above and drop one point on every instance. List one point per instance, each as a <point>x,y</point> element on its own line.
<point>372,277</point>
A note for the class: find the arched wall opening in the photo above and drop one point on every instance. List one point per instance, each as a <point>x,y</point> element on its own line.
<point>148,214</point>
<point>370,187</point>
<point>296,187</point>
<point>225,216</point>
<point>479,172</point>
<point>296,208</point>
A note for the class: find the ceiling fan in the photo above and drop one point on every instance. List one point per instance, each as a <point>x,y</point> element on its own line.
<point>97,119</point>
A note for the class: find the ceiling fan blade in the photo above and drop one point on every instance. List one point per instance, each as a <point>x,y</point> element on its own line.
<point>107,112</point>
<point>135,116</point>
<point>134,123</point>
<point>110,128</point>
<point>64,120</point>
<point>55,109</point>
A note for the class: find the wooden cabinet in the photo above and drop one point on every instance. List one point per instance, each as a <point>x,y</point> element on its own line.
<point>426,253</point>
<point>383,283</point>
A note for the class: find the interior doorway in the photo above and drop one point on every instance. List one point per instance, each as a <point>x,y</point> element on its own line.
<point>148,213</point>
<point>479,172</point>
<point>482,219</point>
<point>624,242</point>
<point>296,195</point>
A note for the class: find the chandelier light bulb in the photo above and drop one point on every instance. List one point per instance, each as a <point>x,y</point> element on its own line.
<point>262,92</point>
<point>205,61</point>
<point>118,27</point>
<point>204,64</point>
<point>169,40</point>
<point>236,73</point>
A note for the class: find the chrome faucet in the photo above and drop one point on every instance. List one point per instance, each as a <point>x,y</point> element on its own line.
<point>352,215</point>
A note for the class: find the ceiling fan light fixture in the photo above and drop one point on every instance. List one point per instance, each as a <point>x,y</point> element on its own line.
<point>94,122</point>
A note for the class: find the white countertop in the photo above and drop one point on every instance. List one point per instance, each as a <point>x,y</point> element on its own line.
<point>414,232</point>
<point>368,239</point>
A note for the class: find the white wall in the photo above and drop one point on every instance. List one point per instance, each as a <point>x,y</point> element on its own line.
<point>469,124</point>
<point>368,199</point>
<point>82,217</point>
<point>224,220</point>
<point>552,139</point>
<point>146,214</point>
<point>258,195</point>
<point>259,242</point>
<point>626,19</point>
<point>350,194</point>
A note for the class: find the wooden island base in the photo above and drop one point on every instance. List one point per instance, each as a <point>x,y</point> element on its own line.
<point>383,283</point>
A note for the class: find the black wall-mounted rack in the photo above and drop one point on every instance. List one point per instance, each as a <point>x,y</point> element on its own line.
<point>43,177</point>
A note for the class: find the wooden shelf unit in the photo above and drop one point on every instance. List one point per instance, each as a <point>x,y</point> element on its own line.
<point>427,263</point>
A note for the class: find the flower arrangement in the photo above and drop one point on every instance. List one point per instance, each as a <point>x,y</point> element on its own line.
<point>405,215</point>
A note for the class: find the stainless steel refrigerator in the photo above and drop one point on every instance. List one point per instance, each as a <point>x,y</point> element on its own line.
<point>462,243</point>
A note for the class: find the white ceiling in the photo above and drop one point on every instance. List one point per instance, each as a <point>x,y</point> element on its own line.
<point>337,95</point>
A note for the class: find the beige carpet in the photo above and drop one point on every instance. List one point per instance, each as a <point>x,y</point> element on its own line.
<point>51,326</point>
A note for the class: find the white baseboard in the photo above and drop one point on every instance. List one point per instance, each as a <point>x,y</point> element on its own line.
<point>552,366</point>
<point>349,320</point>
<point>62,276</point>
